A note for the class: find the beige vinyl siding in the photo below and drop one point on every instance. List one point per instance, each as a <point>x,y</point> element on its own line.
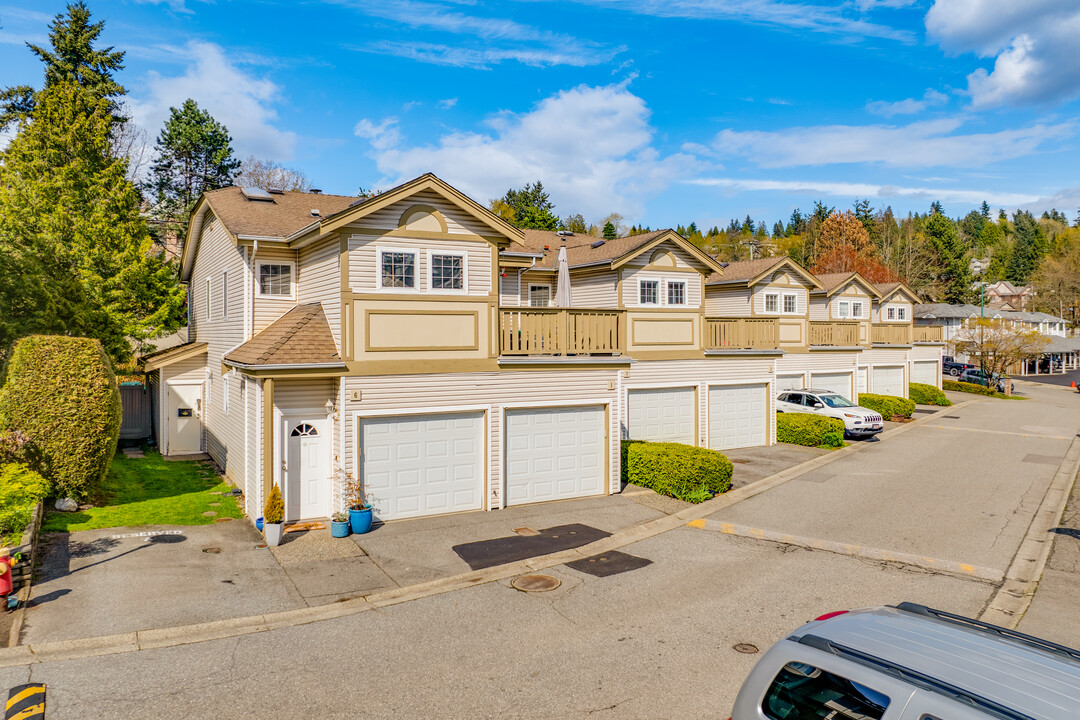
<point>457,220</point>
<point>191,369</point>
<point>320,280</point>
<point>865,300</point>
<point>534,277</point>
<point>881,312</point>
<point>883,356</point>
<point>509,288</point>
<point>923,352</point>
<point>155,408</point>
<point>268,309</point>
<point>819,308</point>
<point>595,290</point>
<point>800,301</point>
<point>700,374</point>
<point>292,395</point>
<point>683,259</point>
<point>364,269</point>
<point>631,276</point>
<point>727,302</point>
<point>253,448</point>
<point>819,362</point>
<point>488,391</point>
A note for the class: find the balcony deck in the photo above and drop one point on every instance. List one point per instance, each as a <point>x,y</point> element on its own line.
<point>742,333</point>
<point>561,331</point>
<point>839,334</point>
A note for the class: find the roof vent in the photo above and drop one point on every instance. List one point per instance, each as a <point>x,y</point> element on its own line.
<point>275,190</point>
<point>598,243</point>
<point>314,191</point>
<point>257,194</point>
<point>314,212</point>
<point>724,265</point>
<point>566,232</point>
<point>356,202</point>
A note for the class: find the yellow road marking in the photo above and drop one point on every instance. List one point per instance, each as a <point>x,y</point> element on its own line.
<point>697,523</point>
<point>29,712</point>
<point>25,694</point>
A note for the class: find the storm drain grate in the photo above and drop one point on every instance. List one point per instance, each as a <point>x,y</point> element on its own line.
<point>609,563</point>
<point>745,648</point>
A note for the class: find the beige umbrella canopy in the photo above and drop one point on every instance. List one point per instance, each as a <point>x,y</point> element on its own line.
<point>563,297</point>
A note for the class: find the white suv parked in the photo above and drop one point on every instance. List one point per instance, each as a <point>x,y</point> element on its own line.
<point>858,421</point>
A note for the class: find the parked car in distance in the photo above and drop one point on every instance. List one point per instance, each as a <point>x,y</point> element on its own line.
<point>976,376</point>
<point>910,662</point>
<point>951,367</point>
<point>858,421</point>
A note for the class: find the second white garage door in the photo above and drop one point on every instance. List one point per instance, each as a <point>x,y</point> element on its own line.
<point>737,416</point>
<point>555,453</point>
<point>423,464</point>
<point>662,415</point>
<point>837,382</point>
<point>888,381</point>
<point>925,371</point>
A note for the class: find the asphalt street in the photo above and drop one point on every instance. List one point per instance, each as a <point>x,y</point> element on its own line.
<point>655,642</point>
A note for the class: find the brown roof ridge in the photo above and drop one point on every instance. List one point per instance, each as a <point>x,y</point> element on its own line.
<point>307,312</point>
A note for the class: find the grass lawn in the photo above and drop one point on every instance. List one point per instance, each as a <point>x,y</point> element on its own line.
<point>150,491</point>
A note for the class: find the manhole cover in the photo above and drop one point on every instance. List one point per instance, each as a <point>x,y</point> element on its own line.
<point>745,648</point>
<point>212,550</point>
<point>535,583</point>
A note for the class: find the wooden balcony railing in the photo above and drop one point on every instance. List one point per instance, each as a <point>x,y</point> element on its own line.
<point>840,334</point>
<point>890,334</point>
<point>927,333</point>
<point>742,333</point>
<point>561,331</point>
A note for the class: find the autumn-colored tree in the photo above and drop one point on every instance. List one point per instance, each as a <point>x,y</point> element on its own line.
<point>844,245</point>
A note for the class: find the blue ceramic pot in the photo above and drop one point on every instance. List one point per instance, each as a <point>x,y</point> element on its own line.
<point>339,529</point>
<point>258,524</point>
<point>360,520</point>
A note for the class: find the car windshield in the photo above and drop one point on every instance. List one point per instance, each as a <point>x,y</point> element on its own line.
<point>836,401</point>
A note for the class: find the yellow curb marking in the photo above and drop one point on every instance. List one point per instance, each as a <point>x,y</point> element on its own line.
<point>697,524</point>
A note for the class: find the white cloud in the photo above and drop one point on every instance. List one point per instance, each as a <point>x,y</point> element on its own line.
<point>866,190</point>
<point>590,146</point>
<point>239,100</point>
<point>1033,43</point>
<point>448,103</point>
<point>483,58</point>
<point>876,4</point>
<point>910,106</point>
<point>932,143</point>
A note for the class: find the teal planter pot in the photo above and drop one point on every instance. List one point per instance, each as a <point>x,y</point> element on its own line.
<point>360,520</point>
<point>339,529</point>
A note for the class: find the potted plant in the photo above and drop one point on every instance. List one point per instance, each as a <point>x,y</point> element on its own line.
<point>339,525</point>
<point>273,517</point>
<point>360,514</point>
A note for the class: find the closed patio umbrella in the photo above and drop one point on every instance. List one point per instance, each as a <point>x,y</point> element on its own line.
<point>562,287</point>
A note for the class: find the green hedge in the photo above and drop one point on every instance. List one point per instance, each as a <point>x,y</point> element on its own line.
<point>810,430</point>
<point>686,472</point>
<point>887,405</point>
<point>957,386</point>
<point>923,394</point>
<point>61,392</point>
<point>20,489</point>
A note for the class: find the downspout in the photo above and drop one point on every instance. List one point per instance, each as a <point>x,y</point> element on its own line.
<point>522,271</point>
<point>249,319</point>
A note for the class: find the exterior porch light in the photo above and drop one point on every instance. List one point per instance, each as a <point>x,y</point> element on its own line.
<point>329,406</point>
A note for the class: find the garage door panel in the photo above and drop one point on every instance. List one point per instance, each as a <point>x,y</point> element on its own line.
<point>554,453</point>
<point>737,416</point>
<point>423,465</point>
<point>888,381</point>
<point>836,382</point>
<point>662,415</point>
<point>925,371</point>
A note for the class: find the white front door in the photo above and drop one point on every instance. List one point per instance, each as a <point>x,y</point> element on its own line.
<point>418,465</point>
<point>555,453</point>
<point>888,381</point>
<point>307,469</point>
<point>836,382</point>
<point>737,416</point>
<point>184,418</point>
<point>925,371</point>
<point>662,415</point>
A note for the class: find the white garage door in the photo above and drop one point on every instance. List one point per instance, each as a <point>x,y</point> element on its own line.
<point>737,416</point>
<point>665,415</point>
<point>925,371</point>
<point>837,382</point>
<point>789,382</point>
<point>554,453</point>
<point>423,464</point>
<point>888,381</point>
<point>860,383</point>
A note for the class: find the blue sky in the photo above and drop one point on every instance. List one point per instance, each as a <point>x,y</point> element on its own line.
<point>663,111</point>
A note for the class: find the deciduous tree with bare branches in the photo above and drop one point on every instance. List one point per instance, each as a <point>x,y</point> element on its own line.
<point>999,344</point>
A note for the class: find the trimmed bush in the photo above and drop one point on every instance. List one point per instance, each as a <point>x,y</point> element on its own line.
<point>20,489</point>
<point>810,430</point>
<point>923,394</point>
<point>61,392</point>
<point>957,386</point>
<point>681,471</point>
<point>274,508</point>
<point>887,405</point>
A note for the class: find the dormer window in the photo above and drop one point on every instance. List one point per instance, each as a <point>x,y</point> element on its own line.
<point>276,280</point>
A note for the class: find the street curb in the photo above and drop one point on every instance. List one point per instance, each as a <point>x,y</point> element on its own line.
<point>1022,577</point>
<point>234,627</point>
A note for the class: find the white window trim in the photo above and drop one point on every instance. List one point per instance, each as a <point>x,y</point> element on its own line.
<point>209,302</point>
<point>640,282</point>
<point>431,272</point>
<point>897,311</point>
<point>528,294</point>
<point>417,270</point>
<point>780,295</point>
<point>861,304</point>
<point>765,302</point>
<point>225,394</point>
<point>685,293</point>
<point>783,303</point>
<point>224,294</point>
<point>292,279</point>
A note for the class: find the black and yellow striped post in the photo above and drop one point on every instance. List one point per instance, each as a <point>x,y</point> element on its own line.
<point>26,702</point>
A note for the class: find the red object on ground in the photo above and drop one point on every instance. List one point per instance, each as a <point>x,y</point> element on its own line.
<point>5,575</point>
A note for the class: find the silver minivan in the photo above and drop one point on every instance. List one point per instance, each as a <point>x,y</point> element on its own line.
<point>910,662</point>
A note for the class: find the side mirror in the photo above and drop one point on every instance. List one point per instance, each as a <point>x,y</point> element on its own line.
<point>819,405</point>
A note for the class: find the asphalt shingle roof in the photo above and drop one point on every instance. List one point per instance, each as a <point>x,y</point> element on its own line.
<point>579,248</point>
<point>280,216</point>
<point>299,337</point>
<point>744,270</point>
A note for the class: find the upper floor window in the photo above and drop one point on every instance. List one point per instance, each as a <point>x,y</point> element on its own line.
<point>849,309</point>
<point>676,292</point>
<point>789,303</point>
<point>896,313</point>
<point>397,269</point>
<point>648,292</point>
<point>275,280</point>
<point>774,301</point>
<point>447,271</point>
<point>539,295</point>
<point>856,310</point>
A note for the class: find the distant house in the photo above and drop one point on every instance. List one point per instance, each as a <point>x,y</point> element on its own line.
<point>1003,295</point>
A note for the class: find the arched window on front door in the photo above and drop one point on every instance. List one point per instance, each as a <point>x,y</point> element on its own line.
<point>304,430</point>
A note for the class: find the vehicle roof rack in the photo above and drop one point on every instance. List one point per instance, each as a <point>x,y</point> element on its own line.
<point>1038,643</point>
<point>914,677</point>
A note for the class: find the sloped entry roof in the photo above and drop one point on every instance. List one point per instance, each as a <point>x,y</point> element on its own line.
<point>299,337</point>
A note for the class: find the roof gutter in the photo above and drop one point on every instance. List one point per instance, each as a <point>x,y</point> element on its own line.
<point>297,366</point>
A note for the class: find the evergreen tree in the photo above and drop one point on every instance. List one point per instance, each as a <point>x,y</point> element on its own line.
<point>1002,217</point>
<point>935,208</point>
<point>984,210</point>
<point>193,155</point>
<point>864,212</point>
<point>747,226</point>
<point>692,230</point>
<point>796,224</point>
<point>778,229</point>
<point>609,231</point>
<point>1028,249</point>
<point>822,211</point>
<point>953,270</point>
<point>70,227</point>
<point>72,58</point>
<point>531,207</point>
